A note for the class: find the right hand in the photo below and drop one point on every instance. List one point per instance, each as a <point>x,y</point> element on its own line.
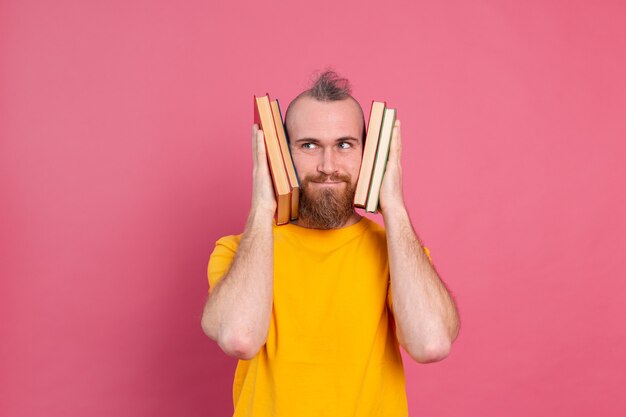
<point>262,188</point>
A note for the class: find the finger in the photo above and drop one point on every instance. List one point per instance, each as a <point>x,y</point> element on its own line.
<point>255,129</point>
<point>395,148</point>
<point>399,138</point>
<point>261,152</point>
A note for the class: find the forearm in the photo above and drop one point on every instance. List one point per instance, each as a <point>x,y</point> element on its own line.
<point>425,314</point>
<point>237,312</point>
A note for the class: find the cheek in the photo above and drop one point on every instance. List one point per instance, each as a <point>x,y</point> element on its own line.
<point>301,164</point>
<point>354,167</point>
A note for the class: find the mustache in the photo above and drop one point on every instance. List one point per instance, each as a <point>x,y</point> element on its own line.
<point>325,177</point>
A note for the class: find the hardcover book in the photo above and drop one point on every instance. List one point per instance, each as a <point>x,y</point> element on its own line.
<point>264,117</point>
<point>369,153</point>
<point>380,163</point>
<point>289,166</point>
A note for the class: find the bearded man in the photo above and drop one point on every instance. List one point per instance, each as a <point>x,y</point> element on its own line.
<point>316,310</point>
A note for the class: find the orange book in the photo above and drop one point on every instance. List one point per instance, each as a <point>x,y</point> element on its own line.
<point>369,153</point>
<point>289,166</point>
<point>263,116</point>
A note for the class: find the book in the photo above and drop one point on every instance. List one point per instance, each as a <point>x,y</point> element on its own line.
<point>369,153</point>
<point>263,116</point>
<point>380,163</point>
<point>289,165</point>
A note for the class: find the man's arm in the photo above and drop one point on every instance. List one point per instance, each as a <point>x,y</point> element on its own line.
<point>237,312</point>
<point>426,317</point>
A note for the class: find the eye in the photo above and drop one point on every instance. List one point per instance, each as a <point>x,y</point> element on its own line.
<point>345,145</point>
<point>308,145</point>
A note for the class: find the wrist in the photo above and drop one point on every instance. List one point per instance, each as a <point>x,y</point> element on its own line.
<point>394,210</point>
<point>262,213</point>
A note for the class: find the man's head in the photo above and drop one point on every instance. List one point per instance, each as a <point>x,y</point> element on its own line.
<point>326,129</point>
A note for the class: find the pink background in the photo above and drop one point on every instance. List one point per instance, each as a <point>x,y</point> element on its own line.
<point>125,153</point>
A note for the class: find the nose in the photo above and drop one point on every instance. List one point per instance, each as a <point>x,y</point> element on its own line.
<point>327,164</point>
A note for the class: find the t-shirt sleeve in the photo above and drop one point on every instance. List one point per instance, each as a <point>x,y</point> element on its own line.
<point>221,259</point>
<point>389,299</point>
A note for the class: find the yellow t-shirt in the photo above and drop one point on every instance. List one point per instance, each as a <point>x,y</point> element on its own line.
<point>331,349</point>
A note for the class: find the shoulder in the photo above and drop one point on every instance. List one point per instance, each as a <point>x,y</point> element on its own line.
<point>230,242</point>
<point>374,229</point>
<point>373,235</point>
<point>378,232</point>
<point>225,249</point>
<point>372,225</point>
<point>221,258</point>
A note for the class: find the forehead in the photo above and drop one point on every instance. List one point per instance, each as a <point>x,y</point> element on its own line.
<point>310,118</point>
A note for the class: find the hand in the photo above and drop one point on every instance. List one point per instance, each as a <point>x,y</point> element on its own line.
<point>391,197</point>
<point>262,188</point>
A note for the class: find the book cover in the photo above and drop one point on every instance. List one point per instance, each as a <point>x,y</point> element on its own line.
<point>369,153</point>
<point>289,165</point>
<point>264,118</point>
<point>380,163</point>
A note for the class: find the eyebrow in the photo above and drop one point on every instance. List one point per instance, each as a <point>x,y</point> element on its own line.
<point>341,139</point>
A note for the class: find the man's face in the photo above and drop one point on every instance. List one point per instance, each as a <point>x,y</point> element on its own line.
<point>326,147</point>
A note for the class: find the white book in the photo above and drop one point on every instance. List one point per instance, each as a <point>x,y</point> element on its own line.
<point>380,163</point>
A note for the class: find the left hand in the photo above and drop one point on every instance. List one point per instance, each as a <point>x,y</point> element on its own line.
<point>391,196</point>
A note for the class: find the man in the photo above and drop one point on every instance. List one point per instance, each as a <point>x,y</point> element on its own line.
<point>315,310</point>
